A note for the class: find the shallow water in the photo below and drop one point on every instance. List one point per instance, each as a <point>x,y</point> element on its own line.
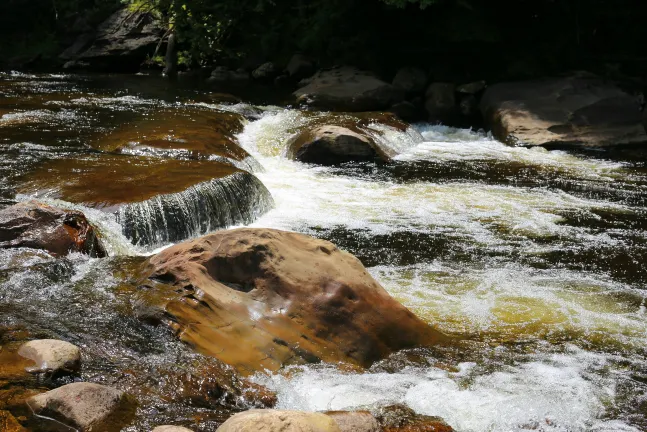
<point>533,258</point>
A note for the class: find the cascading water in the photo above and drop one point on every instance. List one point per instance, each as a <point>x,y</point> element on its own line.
<point>205,207</point>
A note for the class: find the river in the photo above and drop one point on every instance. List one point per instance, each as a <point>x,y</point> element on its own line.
<point>535,259</point>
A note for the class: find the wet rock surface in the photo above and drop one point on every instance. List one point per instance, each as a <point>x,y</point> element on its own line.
<point>291,298</point>
<point>39,226</point>
<point>330,145</point>
<point>51,356</point>
<point>84,406</point>
<point>580,110</point>
<point>279,421</point>
<point>347,89</point>
<point>168,428</point>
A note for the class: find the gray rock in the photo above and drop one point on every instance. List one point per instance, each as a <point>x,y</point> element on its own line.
<point>51,356</point>
<point>347,89</point>
<point>86,407</point>
<point>121,42</point>
<point>580,110</point>
<point>410,79</point>
<point>279,421</point>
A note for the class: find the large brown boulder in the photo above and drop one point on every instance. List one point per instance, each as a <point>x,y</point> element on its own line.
<point>581,110</point>
<point>259,299</point>
<point>39,226</point>
<point>348,89</point>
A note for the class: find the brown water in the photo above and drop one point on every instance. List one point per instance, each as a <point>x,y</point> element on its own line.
<point>536,257</point>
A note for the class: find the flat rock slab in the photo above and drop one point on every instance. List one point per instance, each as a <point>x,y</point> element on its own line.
<point>279,421</point>
<point>51,356</point>
<point>157,201</point>
<point>259,299</point>
<point>39,226</point>
<point>85,406</point>
<point>581,110</point>
<point>179,133</point>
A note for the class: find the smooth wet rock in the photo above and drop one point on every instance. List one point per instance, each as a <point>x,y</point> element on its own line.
<point>440,102</point>
<point>401,418</point>
<point>121,43</point>
<point>168,428</point>
<point>355,421</point>
<point>410,79</point>
<point>180,134</point>
<point>260,299</point>
<point>39,226</point>
<point>347,89</point>
<point>300,67</point>
<point>279,421</point>
<point>331,145</point>
<point>87,407</point>
<point>156,200</point>
<point>580,110</point>
<point>52,356</point>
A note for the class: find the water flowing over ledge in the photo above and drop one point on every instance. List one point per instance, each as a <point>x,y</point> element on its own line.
<point>236,199</point>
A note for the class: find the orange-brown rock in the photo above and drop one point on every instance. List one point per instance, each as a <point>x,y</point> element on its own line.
<point>39,226</point>
<point>189,133</point>
<point>344,137</point>
<point>260,299</point>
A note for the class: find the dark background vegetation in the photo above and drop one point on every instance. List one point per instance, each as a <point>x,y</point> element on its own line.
<point>453,39</point>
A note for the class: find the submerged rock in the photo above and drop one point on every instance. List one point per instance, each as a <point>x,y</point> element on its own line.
<point>182,134</point>
<point>121,43</point>
<point>51,356</point>
<point>330,145</point>
<point>259,299</point>
<point>580,110</point>
<point>348,89</point>
<point>279,421</point>
<point>8,423</point>
<point>85,407</point>
<point>156,200</point>
<point>39,226</point>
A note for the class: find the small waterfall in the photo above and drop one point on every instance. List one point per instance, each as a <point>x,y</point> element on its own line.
<point>236,199</point>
